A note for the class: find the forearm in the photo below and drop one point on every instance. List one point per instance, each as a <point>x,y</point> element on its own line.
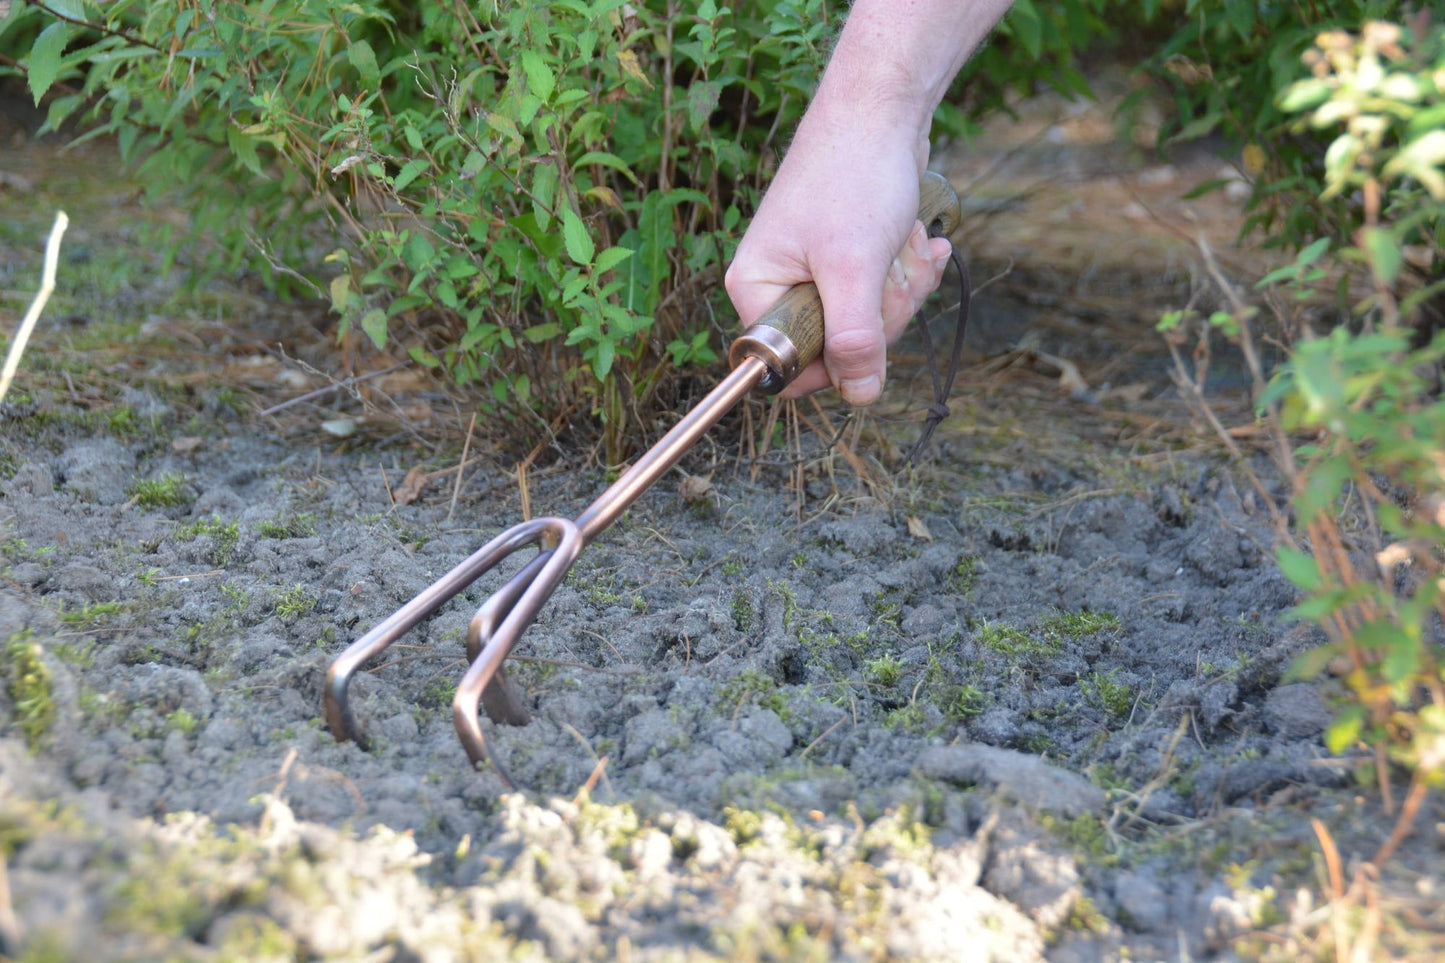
<point>895,59</point>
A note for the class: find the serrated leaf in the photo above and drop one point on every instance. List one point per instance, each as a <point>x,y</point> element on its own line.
<point>612,257</point>
<point>373,323</point>
<point>44,64</point>
<point>540,79</point>
<point>576,237</point>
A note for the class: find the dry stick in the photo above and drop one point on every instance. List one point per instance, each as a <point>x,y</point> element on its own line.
<point>47,285</point>
<point>335,386</point>
<point>1337,884</point>
<point>466,447</point>
<point>1406,821</point>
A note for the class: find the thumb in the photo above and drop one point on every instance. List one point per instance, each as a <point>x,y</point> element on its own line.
<point>854,344</point>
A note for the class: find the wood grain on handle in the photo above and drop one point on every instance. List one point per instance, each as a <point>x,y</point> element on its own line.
<point>789,336</point>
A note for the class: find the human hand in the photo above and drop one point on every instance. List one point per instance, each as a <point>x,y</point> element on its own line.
<point>842,213</point>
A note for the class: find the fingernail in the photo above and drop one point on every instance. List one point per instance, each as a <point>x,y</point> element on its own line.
<point>895,273</point>
<point>860,391</point>
<point>940,262</point>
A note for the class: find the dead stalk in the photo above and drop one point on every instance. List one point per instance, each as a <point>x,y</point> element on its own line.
<point>466,447</point>
<point>32,314</point>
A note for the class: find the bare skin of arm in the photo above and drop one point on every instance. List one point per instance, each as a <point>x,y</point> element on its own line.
<point>842,210</point>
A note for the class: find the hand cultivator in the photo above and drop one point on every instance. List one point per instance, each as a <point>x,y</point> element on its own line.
<point>767,356</point>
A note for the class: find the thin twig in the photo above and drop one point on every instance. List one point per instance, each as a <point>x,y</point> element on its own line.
<point>334,386</point>
<point>47,285</point>
<point>466,447</point>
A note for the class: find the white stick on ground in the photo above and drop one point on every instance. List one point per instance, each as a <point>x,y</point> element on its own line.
<point>47,285</point>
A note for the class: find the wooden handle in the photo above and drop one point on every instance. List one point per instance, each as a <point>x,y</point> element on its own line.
<point>789,336</point>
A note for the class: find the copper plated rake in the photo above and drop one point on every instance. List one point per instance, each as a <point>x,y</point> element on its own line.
<point>766,356</point>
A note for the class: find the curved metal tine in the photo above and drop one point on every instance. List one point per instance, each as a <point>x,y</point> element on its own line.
<point>497,644</point>
<point>339,717</point>
<point>498,700</point>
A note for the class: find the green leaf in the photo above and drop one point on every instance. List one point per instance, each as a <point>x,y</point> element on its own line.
<point>340,292</point>
<point>1027,27</point>
<point>44,64</point>
<point>409,172</point>
<point>1241,15</point>
<point>606,351</point>
<point>1198,128</point>
<point>363,58</point>
<point>244,148</point>
<point>1345,731</point>
<point>545,179</point>
<point>576,237</point>
<point>1312,253</point>
<point>1299,568</point>
<point>540,79</point>
<point>612,257</point>
<point>606,160</point>
<point>1384,254</point>
<point>1305,95</point>
<point>1310,664</point>
<point>546,331</point>
<point>1322,487</point>
<point>1205,187</point>
<point>373,323</point>
<point>702,98</point>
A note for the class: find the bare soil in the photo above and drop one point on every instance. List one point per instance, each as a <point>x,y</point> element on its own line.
<point>1024,702</point>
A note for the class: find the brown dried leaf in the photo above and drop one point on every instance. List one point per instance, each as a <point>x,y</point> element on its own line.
<point>186,443</point>
<point>918,528</point>
<point>694,489</point>
<point>410,488</point>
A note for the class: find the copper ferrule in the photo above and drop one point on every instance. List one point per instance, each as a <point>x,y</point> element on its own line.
<point>774,349</point>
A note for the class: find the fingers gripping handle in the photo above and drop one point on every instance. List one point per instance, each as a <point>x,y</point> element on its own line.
<point>790,335</point>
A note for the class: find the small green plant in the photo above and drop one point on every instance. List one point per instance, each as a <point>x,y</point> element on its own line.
<point>294,603</point>
<point>30,689</point>
<point>964,575</point>
<point>1104,691</point>
<point>958,702</point>
<point>743,612</point>
<point>885,671</point>
<point>92,615</point>
<point>225,536</point>
<point>752,686</point>
<point>1076,625</point>
<point>302,525</point>
<point>167,491</point>
<point>183,722</point>
<point>1015,642</point>
<point>439,692</point>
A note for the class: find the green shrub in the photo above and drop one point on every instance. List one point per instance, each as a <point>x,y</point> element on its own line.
<point>535,198</point>
<point>1356,413</point>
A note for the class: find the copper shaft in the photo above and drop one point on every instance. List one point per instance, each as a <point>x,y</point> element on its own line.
<point>655,462</point>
